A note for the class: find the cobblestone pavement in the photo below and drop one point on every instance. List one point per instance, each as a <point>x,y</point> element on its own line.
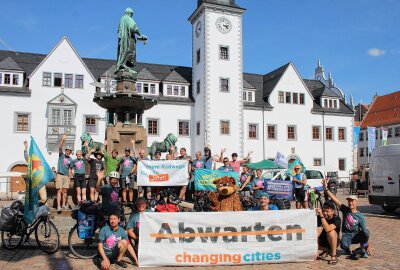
<point>384,228</point>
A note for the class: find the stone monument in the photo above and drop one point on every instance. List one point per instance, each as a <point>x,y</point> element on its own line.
<point>124,106</point>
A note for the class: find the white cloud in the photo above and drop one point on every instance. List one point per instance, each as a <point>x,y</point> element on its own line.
<point>376,52</point>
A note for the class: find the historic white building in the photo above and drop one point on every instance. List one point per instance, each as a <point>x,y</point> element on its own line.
<point>214,102</point>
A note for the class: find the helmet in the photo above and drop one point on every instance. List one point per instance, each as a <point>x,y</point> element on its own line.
<point>68,148</point>
<point>114,175</point>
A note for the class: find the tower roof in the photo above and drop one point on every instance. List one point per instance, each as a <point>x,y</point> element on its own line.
<point>229,3</point>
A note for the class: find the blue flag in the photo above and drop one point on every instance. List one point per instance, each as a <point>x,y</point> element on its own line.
<point>356,135</point>
<point>290,170</point>
<point>39,173</point>
<point>371,138</point>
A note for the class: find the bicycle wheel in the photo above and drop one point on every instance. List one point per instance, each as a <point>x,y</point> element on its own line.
<point>11,240</point>
<point>83,248</point>
<point>47,236</point>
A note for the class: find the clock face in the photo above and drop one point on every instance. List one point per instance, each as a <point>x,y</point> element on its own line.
<point>223,25</point>
<point>198,29</point>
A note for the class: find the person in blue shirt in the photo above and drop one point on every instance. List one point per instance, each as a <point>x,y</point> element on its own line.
<point>63,174</point>
<point>207,159</point>
<point>113,243</point>
<point>257,184</point>
<point>264,203</point>
<point>134,220</point>
<point>78,165</point>
<point>226,167</point>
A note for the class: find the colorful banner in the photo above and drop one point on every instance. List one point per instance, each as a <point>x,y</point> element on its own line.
<point>203,179</point>
<point>163,173</point>
<point>384,136</point>
<point>371,138</point>
<point>281,189</point>
<point>227,238</point>
<point>280,160</point>
<point>356,135</point>
<point>39,173</point>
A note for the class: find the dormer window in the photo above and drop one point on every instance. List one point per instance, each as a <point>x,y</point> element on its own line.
<point>331,103</point>
<point>7,78</point>
<point>248,96</point>
<point>15,79</point>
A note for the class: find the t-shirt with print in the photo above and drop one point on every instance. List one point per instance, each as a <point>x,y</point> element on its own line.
<point>79,166</point>
<point>236,165</point>
<point>257,182</point>
<point>352,221</point>
<point>198,164</point>
<point>111,164</point>
<point>134,222</point>
<point>243,178</point>
<point>95,167</point>
<point>226,168</point>
<point>127,164</point>
<point>110,238</point>
<point>64,163</point>
<point>335,220</point>
<point>109,197</point>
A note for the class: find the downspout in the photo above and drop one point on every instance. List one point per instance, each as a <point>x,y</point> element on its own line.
<point>323,136</point>
<point>263,140</point>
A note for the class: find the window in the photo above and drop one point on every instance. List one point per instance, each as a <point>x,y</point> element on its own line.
<point>61,117</point>
<point>176,90</point>
<point>145,88</point>
<point>198,56</point>
<point>366,151</point>
<point>295,98</point>
<point>68,80</point>
<point>288,97</point>
<point>224,85</point>
<point>139,87</point>
<point>250,96</point>
<point>335,104</point>
<point>325,103</point>
<point>224,127</point>
<point>280,97</point>
<point>183,91</point>
<point>291,132</point>
<point>397,131</point>
<point>342,164</point>
<point>57,79</point>
<point>198,87</point>
<point>361,151</point>
<point>78,81</point>
<point>342,134</point>
<point>361,136</point>
<point>330,103</point>
<point>22,122</point>
<point>169,90</point>
<point>1,78</point>
<point>301,98</point>
<point>15,79</point>
<point>91,124</point>
<point>198,128</point>
<point>317,162</point>
<point>152,89</point>
<point>223,53</point>
<point>316,133</point>
<point>46,79</point>
<point>253,131</point>
<point>183,128</point>
<point>376,134</point>
<point>390,133</point>
<point>271,132</point>
<point>7,78</point>
<point>244,95</point>
<point>329,134</point>
<point>152,127</point>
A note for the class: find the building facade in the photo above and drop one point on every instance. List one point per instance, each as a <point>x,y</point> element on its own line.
<point>213,103</point>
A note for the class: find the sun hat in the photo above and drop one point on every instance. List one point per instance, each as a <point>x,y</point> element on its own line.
<point>352,197</point>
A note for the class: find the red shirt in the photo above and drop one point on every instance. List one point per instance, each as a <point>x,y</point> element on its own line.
<point>236,165</point>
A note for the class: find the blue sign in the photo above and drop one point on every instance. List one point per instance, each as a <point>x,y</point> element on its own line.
<point>371,139</point>
<point>356,135</point>
<point>203,178</point>
<point>282,189</point>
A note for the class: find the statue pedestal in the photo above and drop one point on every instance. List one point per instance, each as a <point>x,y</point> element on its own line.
<point>126,81</point>
<point>120,136</point>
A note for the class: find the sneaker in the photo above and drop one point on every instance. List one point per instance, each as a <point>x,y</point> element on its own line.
<point>59,209</point>
<point>66,207</point>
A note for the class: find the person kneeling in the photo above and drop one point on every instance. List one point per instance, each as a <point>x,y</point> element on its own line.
<point>328,231</point>
<point>264,203</point>
<point>113,243</point>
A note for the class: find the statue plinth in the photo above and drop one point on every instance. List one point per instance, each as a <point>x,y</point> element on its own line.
<point>126,81</point>
<point>120,136</point>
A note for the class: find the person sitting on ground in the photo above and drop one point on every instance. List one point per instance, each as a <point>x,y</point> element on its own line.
<point>235,163</point>
<point>132,227</point>
<point>109,193</point>
<point>245,180</point>
<point>328,231</point>
<point>113,243</point>
<point>265,203</point>
<point>354,230</point>
<point>78,165</point>
<point>258,184</point>
<point>226,167</point>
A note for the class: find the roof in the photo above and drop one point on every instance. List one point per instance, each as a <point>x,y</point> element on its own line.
<point>385,110</point>
<point>174,76</point>
<point>145,74</point>
<point>27,61</point>
<point>247,85</point>
<point>256,81</point>
<point>228,3</point>
<point>324,92</point>
<point>271,79</point>
<point>10,64</point>
<point>15,91</point>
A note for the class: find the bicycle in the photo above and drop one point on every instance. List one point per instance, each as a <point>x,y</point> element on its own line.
<point>44,229</point>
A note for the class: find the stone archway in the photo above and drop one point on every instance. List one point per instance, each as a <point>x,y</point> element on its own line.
<point>17,183</point>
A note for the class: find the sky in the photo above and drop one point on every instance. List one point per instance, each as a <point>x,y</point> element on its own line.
<point>358,41</point>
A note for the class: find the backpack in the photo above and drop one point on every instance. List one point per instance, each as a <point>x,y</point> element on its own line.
<point>8,219</point>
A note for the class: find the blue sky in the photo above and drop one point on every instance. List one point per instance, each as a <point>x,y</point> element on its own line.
<point>358,40</point>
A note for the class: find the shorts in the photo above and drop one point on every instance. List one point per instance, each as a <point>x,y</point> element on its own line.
<point>79,180</point>
<point>113,255</point>
<point>300,194</point>
<point>131,185</point>
<point>246,192</point>
<point>62,181</point>
<point>92,182</point>
<point>323,241</point>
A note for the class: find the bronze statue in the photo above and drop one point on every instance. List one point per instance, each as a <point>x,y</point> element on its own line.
<point>92,144</point>
<point>127,31</point>
<point>162,146</point>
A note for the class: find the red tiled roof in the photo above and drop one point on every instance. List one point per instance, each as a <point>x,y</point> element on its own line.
<point>385,110</point>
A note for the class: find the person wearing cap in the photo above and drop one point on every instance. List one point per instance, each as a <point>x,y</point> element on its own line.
<point>328,231</point>
<point>127,167</point>
<point>265,203</point>
<point>78,165</point>
<point>300,180</point>
<point>207,159</point>
<point>96,170</point>
<point>354,230</point>
<point>235,163</point>
<point>63,174</point>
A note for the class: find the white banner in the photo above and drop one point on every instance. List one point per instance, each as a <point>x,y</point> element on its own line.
<point>163,173</point>
<point>227,238</point>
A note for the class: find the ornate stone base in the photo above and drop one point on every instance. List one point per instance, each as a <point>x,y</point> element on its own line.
<point>119,137</point>
<point>126,81</point>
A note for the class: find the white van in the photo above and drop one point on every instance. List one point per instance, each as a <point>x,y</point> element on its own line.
<point>384,175</point>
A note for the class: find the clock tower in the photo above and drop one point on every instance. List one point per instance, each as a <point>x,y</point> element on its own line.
<point>217,76</point>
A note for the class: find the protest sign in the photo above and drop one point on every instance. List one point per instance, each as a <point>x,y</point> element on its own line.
<point>282,189</point>
<point>163,173</point>
<point>203,179</point>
